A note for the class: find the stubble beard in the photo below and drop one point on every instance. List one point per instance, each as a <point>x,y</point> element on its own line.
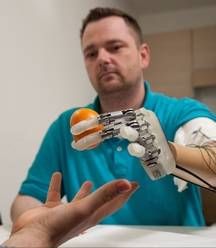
<point>117,87</point>
<point>113,86</point>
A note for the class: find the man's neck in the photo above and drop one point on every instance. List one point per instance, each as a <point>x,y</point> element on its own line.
<point>131,98</point>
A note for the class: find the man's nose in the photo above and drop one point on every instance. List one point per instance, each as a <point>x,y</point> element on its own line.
<point>103,56</point>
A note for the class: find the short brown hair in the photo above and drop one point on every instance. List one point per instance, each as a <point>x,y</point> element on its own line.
<point>99,13</point>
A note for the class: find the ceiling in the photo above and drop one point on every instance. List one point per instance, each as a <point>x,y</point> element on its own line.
<point>158,6</point>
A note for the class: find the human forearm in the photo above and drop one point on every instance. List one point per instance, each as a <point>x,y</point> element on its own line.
<point>195,162</point>
<point>21,204</point>
<point>28,237</point>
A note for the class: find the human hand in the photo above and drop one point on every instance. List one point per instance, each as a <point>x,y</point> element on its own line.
<point>54,222</point>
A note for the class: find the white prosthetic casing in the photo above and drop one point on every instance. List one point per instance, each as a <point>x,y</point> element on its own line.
<point>150,145</point>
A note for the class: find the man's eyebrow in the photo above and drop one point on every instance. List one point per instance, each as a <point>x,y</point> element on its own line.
<point>89,47</point>
<point>109,42</point>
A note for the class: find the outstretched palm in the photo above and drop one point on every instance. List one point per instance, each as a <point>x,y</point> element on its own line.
<point>60,221</point>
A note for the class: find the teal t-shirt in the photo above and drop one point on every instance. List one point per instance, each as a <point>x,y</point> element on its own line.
<point>155,202</point>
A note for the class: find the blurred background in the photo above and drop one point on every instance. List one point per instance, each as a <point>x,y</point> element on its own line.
<point>42,71</point>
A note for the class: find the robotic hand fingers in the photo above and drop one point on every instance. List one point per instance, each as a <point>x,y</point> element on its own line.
<point>84,125</point>
<point>88,134</point>
<point>141,127</point>
<point>88,142</point>
<point>110,123</point>
<point>149,144</point>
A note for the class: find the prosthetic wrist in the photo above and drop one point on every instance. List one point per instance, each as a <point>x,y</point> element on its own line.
<point>149,144</point>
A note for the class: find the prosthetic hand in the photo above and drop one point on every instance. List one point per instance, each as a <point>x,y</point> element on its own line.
<point>196,164</point>
<point>141,127</point>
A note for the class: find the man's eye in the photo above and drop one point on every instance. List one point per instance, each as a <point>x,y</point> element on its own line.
<point>91,54</point>
<point>115,48</point>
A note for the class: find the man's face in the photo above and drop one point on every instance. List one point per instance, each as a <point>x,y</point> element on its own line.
<point>113,58</point>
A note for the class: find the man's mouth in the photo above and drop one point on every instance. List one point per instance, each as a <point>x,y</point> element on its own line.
<point>106,74</point>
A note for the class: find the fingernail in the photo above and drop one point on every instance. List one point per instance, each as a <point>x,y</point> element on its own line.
<point>135,185</point>
<point>123,187</point>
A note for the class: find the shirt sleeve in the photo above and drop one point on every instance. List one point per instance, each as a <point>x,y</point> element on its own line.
<point>190,109</point>
<point>196,131</point>
<point>186,110</point>
<point>45,163</point>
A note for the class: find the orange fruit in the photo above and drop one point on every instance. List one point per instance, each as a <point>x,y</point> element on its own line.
<point>84,114</point>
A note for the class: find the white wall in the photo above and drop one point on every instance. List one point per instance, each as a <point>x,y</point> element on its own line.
<point>41,74</point>
<point>177,20</point>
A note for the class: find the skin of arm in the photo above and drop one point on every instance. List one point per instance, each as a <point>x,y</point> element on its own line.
<point>197,160</point>
<point>21,204</point>
<point>194,148</point>
<point>53,223</point>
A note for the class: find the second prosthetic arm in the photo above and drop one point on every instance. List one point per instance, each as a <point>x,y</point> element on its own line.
<point>147,142</point>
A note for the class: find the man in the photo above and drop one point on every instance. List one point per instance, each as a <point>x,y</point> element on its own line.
<point>53,223</point>
<point>115,58</point>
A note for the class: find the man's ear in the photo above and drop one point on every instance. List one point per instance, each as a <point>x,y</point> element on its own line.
<point>145,55</point>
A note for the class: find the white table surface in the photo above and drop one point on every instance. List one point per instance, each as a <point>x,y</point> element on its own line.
<point>139,236</point>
